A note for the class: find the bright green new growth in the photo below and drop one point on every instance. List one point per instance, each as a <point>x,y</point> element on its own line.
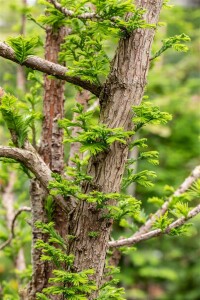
<point>84,49</point>
<point>93,138</point>
<point>23,47</point>
<point>176,42</point>
<point>73,286</point>
<point>15,121</point>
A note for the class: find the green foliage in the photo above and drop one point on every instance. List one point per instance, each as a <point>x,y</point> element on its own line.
<point>125,206</point>
<point>162,222</point>
<point>194,191</point>
<point>73,286</point>
<point>86,55</point>
<point>93,234</point>
<point>53,17</point>
<point>181,209</point>
<point>142,178</point>
<point>9,292</point>
<point>93,138</point>
<point>109,290</point>
<point>49,207</point>
<point>84,50</point>
<point>16,122</point>
<point>23,47</point>
<point>175,42</point>
<point>146,113</point>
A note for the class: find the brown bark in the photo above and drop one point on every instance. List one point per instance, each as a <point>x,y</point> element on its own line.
<point>52,152</point>
<point>124,88</point>
<point>21,80</point>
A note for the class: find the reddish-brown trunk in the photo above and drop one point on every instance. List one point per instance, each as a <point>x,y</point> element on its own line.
<point>52,152</point>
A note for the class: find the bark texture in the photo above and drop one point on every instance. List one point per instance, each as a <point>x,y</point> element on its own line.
<point>52,152</point>
<point>124,88</point>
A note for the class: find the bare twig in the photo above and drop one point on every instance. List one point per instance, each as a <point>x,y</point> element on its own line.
<point>12,236</point>
<point>154,233</point>
<point>50,68</point>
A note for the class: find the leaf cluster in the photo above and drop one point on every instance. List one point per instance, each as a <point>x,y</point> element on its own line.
<point>15,121</point>
<point>176,42</point>
<point>23,47</point>
<point>73,286</point>
<point>146,113</point>
<point>92,137</point>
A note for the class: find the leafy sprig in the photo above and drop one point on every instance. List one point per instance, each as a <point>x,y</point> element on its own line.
<point>176,42</point>
<point>23,47</point>
<point>15,121</point>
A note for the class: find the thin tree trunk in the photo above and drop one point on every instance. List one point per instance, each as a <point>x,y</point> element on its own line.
<point>52,152</point>
<point>21,80</point>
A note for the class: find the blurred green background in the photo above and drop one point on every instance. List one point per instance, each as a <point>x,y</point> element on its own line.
<point>163,268</point>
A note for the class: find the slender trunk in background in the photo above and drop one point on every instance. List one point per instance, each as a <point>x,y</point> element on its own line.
<point>8,201</point>
<point>52,152</point>
<point>21,79</point>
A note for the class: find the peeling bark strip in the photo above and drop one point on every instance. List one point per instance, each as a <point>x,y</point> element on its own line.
<point>50,68</point>
<point>124,88</point>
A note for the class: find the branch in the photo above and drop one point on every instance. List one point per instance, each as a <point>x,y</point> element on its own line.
<point>71,14</point>
<point>50,68</point>
<point>22,209</point>
<point>154,233</point>
<point>160,212</point>
<point>32,160</point>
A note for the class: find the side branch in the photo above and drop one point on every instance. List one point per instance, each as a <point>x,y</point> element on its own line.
<point>71,14</point>
<point>22,209</point>
<point>154,233</point>
<point>36,165</point>
<point>160,212</point>
<point>50,68</point>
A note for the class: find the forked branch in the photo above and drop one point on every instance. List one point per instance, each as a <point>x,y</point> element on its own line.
<point>144,232</point>
<point>154,233</point>
<point>195,174</point>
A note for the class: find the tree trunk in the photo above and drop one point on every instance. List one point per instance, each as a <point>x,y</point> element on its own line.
<point>124,88</point>
<point>52,152</point>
